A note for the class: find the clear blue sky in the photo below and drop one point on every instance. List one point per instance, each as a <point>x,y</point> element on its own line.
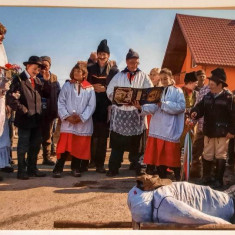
<point>70,34</point>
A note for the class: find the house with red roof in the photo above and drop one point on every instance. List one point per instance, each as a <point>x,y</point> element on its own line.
<point>201,43</point>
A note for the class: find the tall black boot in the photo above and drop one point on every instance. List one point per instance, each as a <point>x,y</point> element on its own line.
<point>176,173</point>
<point>84,165</point>
<point>206,172</point>
<point>150,170</point>
<point>75,166</point>
<point>59,166</point>
<point>219,173</point>
<point>162,171</point>
<point>22,174</point>
<point>138,170</point>
<point>231,153</point>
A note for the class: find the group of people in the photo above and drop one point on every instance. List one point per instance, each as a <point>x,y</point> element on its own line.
<point>87,118</point>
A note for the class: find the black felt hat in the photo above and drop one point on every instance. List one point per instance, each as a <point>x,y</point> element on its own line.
<point>190,77</point>
<point>103,47</point>
<point>34,60</point>
<point>218,75</point>
<point>132,54</point>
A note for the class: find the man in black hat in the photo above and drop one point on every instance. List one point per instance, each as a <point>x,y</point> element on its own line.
<point>218,110</point>
<point>49,108</point>
<point>99,75</point>
<point>24,97</point>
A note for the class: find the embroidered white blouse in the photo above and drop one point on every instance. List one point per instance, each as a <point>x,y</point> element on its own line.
<point>119,122</point>
<point>83,104</point>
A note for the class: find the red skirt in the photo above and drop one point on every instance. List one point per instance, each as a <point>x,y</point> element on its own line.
<point>77,146</point>
<point>160,152</point>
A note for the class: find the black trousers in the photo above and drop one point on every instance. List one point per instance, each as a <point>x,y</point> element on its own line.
<point>28,143</point>
<point>47,128</point>
<point>59,166</point>
<point>99,143</point>
<point>98,150</point>
<point>116,158</point>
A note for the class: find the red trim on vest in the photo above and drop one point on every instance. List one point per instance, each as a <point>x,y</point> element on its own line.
<point>85,84</point>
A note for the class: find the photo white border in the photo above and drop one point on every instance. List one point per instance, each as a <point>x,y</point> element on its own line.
<point>121,4</point>
<point>135,4</point>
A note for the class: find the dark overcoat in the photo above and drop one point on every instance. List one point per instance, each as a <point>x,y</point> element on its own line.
<point>26,100</point>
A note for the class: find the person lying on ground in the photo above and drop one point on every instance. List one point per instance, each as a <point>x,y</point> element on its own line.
<point>162,201</point>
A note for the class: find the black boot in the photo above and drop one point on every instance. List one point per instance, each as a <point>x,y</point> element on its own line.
<point>206,172</point>
<point>84,165</point>
<point>150,170</point>
<point>162,171</point>
<point>176,173</point>
<point>59,166</point>
<point>195,170</point>
<point>22,173</point>
<point>219,174</point>
<point>138,170</point>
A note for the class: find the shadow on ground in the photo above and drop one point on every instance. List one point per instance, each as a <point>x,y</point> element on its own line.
<point>90,181</point>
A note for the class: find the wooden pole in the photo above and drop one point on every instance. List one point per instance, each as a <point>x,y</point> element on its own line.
<point>79,224</point>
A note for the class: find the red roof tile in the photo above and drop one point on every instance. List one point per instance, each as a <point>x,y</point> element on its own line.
<point>211,40</point>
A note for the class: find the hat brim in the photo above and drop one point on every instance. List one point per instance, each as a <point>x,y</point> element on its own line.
<point>39,64</point>
<point>217,80</point>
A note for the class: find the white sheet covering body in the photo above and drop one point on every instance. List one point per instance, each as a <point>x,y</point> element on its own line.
<point>183,202</point>
<point>140,204</point>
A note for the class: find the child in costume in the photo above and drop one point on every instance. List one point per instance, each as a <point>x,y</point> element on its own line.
<point>76,104</point>
<point>166,126</point>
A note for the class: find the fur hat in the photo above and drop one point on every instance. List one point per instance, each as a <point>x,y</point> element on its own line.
<point>151,182</point>
<point>34,60</point>
<point>190,77</point>
<point>219,75</point>
<point>103,47</point>
<point>132,54</point>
